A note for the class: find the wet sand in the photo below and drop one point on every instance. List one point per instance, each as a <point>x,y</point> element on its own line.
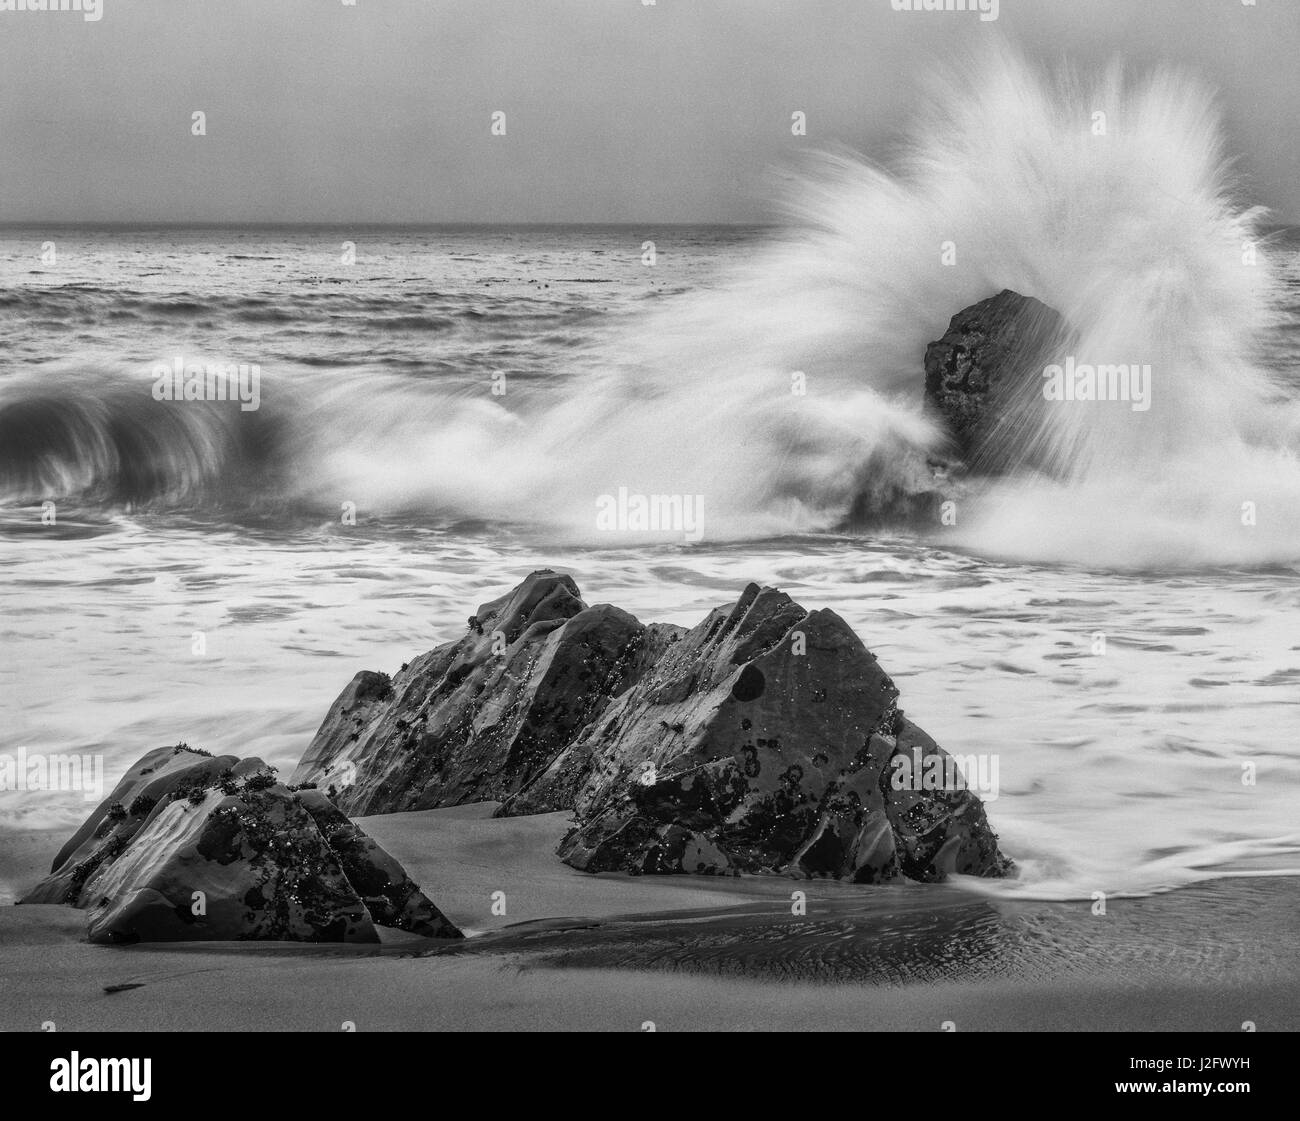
<point>575,952</point>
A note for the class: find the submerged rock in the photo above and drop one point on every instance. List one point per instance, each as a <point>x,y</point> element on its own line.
<point>764,739</point>
<point>984,375</point>
<point>189,847</point>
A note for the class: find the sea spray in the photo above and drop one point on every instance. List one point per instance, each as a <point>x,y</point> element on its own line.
<point>788,389</point>
<point>1003,183</point>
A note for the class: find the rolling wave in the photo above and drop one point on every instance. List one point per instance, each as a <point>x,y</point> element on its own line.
<point>1134,234</point>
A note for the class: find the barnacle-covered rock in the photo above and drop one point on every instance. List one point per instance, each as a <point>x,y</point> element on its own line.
<point>477,719</point>
<point>144,791</point>
<point>761,740</point>
<point>391,897</point>
<point>227,853</point>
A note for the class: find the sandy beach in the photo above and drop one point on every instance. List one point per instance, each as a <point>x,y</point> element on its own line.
<point>608,952</point>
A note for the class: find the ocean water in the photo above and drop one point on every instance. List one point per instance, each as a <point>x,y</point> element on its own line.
<point>1120,771</point>
<point>441,410</point>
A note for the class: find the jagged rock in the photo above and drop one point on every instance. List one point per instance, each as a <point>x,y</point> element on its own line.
<point>761,740</point>
<point>269,862</point>
<point>390,895</point>
<point>936,832</point>
<point>144,791</point>
<point>475,720</point>
<point>984,375</point>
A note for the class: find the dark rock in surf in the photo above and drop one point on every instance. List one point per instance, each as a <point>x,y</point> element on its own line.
<point>145,790</point>
<point>765,739</point>
<point>984,375</point>
<point>900,486</point>
<point>390,896</point>
<point>478,719</point>
<point>189,847</point>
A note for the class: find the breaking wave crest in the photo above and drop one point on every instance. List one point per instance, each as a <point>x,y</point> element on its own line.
<point>1136,237</point>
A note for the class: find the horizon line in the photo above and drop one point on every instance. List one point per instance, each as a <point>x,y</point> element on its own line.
<point>344,225</point>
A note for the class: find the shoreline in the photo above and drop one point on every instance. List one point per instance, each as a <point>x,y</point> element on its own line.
<point>605,952</point>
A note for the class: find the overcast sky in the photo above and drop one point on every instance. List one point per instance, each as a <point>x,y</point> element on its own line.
<point>616,110</point>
